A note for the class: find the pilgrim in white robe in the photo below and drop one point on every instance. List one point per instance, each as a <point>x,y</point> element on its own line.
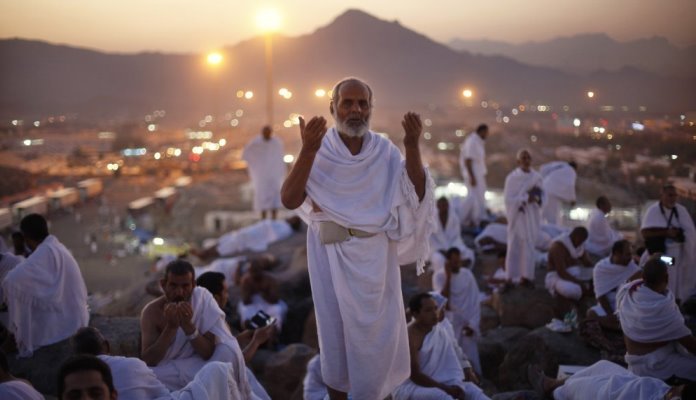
<point>682,276</point>
<point>605,380</point>
<point>255,237</point>
<point>46,287</point>
<point>437,358</point>
<point>7,263</point>
<point>134,380</point>
<point>264,160</point>
<point>649,317</point>
<point>474,148</point>
<point>278,310</point>
<point>225,266</point>
<point>313,386</point>
<point>607,278</point>
<point>601,237</point>
<point>557,285</point>
<point>356,283</point>
<point>494,231</point>
<point>445,237</point>
<point>524,219</point>
<point>18,390</point>
<point>181,362</point>
<point>559,186</point>
<point>464,311</point>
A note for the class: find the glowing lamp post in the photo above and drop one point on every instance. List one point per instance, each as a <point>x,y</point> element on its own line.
<point>268,21</point>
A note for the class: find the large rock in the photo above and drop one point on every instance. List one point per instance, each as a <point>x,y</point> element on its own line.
<point>489,319</point>
<point>285,370</point>
<point>494,345</point>
<point>530,308</point>
<point>41,368</point>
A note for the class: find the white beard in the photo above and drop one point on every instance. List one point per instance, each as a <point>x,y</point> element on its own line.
<point>350,130</point>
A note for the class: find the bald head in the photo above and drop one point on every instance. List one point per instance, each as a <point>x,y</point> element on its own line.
<point>524,160</point>
<point>578,235</point>
<point>351,107</point>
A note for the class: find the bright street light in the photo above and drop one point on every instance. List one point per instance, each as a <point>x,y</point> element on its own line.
<point>467,93</point>
<point>590,94</point>
<point>320,93</point>
<point>214,58</point>
<point>268,20</point>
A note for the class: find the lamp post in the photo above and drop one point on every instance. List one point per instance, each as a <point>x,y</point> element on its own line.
<point>268,22</point>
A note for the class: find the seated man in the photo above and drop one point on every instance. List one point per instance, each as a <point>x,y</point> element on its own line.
<point>605,380</point>
<point>259,292</point>
<point>459,286</point>
<point>565,255</point>
<point>133,380</point>
<point>608,275</point>
<point>658,343</point>
<point>493,237</point>
<point>13,388</point>
<point>447,234</point>
<point>601,236</point>
<point>436,371</point>
<point>46,287</point>
<point>184,329</point>
<point>255,237</point>
<point>85,377</point>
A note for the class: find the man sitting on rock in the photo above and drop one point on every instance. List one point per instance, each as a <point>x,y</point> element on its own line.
<point>565,256</point>
<point>608,275</point>
<point>133,380</point>
<point>184,329</point>
<point>658,343</point>
<point>13,388</point>
<point>436,371</point>
<point>459,286</point>
<point>46,295</point>
<point>601,236</point>
<point>605,380</point>
<point>446,234</point>
<point>259,292</point>
<point>255,237</point>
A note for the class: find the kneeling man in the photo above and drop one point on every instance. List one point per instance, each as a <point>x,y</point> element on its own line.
<point>566,255</point>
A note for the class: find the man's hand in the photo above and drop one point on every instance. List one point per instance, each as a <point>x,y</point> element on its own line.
<point>413,127</point>
<point>470,376</point>
<point>312,134</point>
<point>454,391</point>
<point>262,335</point>
<point>171,315</point>
<point>185,316</point>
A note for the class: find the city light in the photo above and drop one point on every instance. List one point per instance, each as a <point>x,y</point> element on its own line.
<point>467,93</point>
<point>288,158</point>
<point>158,155</point>
<point>248,94</point>
<point>576,122</point>
<point>214,58</point>
<point>320,92</point>
<point>268,20</point>
<point>590,94</point>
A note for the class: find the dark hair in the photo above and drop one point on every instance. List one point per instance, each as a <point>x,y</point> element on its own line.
<point>601,200</point>
<point>654,271</point>
<point>501,253</point>
<point>481,128</point>
<point>337,89</point>
<point>4,365</point>
<point>212,280</point>
<point>87,340</point>
<point>179,267</point>
<point>573,164</point>
<point>619,245</point>
<point>84,362</point>
<point>689,391</point>
<point>580,230</point>
<point>34,227</point>
<point>451,251</point>
<point>416,302</point>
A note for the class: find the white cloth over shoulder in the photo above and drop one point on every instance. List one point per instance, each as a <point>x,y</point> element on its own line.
<point>18,390</point>
<point>495,231</point>
<point>608,276</point>
<point>682,277</point>
<point>46,287</point>
<point>267,171</point>
<point>255,237</point>
<point>600,236</point>
<point>524,220</point>
<point>7,263</point>
<point>647,316</point>
<point>181,362</point>
<point>215,381</point>
<point>313,384</point>
<point>605,380</point>
<point>566,241</point>
<point>356,284</point>
<point>133,379</point>
<point>559,180</point>
<point>444,238</point>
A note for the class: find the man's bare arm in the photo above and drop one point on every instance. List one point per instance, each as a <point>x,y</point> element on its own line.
<point>154,345</point>
<point>292,194</point>
<point>469,164</point>
<point>413,127</point>
<point>604,302</point>
<point>204,342</point>
<point>557,261</point>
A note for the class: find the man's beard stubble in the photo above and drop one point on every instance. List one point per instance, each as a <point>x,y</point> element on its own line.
<point>352,129</point>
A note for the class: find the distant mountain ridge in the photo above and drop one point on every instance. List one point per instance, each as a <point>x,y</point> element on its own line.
<point>590,52</point>
<point>405,68</point>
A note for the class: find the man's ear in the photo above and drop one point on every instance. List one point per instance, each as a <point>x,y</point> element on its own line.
<point>331,107</point>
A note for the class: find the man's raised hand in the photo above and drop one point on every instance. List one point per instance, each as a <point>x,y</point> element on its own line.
<point>413,127</point>
<point>312,133</point>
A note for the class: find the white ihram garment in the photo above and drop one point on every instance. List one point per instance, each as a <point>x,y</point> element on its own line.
<point>437,358</point>
<point>256,237</point>
<point>524,220</point>
<point>181,362</point>
<point>559,186</point>
<point>557,285</point>
<point>18,390</point>
<point>46,287</point>
<point>474,148</point>
<point>225,266</point>
<point>464,310</point>
<point>605,380</point>
<point>313,385</point>
<point>444,238</point>
<point>7,263</point>
<point>267,170</point>
<point>356,284</point>
<point>650,317</point>
<point>607,277</point>
<point>600,236</point>
<point>682,276</point>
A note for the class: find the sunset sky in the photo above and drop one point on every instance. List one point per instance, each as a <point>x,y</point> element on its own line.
<point>201,25</point>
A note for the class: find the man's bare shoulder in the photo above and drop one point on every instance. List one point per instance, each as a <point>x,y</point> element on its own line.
<point>154,308</point>
<point>558,249</point>
<point>415,336</point>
